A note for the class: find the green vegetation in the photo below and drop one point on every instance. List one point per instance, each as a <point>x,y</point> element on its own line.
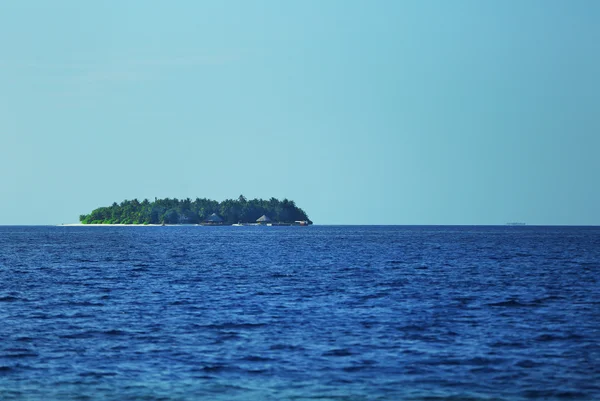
<point>186,211</point>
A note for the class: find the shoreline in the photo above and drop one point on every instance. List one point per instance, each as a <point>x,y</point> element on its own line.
<point>174,225</point>
<point>183,225</point>
<point>120,225</point>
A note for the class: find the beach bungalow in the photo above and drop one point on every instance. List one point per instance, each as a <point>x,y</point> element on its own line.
<point>213,220</point>
<point>263,220</point>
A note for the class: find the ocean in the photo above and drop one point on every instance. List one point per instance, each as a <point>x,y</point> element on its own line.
<point>300,313</point>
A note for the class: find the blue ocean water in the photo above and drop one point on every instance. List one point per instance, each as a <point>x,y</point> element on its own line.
<point>300,313</point>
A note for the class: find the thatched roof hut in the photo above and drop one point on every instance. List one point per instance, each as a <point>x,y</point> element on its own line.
<point>263,219</point>
<point>214,218</point>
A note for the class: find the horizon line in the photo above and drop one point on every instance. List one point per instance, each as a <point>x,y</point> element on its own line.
<point>314,224</point>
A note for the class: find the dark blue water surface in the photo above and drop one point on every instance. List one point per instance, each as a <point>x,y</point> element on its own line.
<point>299,313</point>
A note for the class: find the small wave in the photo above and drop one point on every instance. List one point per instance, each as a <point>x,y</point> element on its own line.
<point>227,336</point>
<point>230,326</point>
<point>215,368</point>
<point>114,332</point>
<point>86,334</point>
<point>354,368</point>
<point>428,338</point>
<point>9,299</point>
<point>40,316</point>
<point>257,371</point>
<point>215,264</point>
<point>180,302</point>
<point>441,362</point>
<point>141,265</point>
<point>25,339</point>
<point>481,361</point>
<point>551,394</point>
<point>465,299</point>
<point>477,361</point>
<point>85,303</point>
<point>362,365</point>
<point>338,352</point>
<point>551,337</point>
<point>17,350</point>
<point>412,328</point>
<point>508,344</point>
<point>415,370</point>
<point>484,370</point>
<point>545,300</point>
<point>460,397</point>
<point>382,294</point>
<point>571,395</point>
<point>547,337</point>
<point>527,364</point>
<point>285,347</point>
<point>78,315</point>
<point>368,325</point>
<point>5,369</point>
<point>512,303</point>
<point>203,377</point>
<point>97,374</point>
<point>254,358</point>
<point>22,355</point>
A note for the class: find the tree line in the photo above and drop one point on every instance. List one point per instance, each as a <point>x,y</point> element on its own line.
<point>186,211</point>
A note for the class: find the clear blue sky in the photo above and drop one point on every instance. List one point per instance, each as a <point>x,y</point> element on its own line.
<point>383,112</point>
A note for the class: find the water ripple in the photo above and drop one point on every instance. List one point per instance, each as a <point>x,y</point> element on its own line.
<point>288,313</point>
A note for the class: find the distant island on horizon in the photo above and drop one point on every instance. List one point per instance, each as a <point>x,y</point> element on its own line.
<point>199,211</point>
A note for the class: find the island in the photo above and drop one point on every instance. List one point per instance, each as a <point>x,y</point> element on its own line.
<point>240,211</point>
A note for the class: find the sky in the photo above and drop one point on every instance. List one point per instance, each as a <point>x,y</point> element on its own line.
<point>362,112</point>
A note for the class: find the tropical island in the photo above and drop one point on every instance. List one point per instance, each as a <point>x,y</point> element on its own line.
<point>199,211</point>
